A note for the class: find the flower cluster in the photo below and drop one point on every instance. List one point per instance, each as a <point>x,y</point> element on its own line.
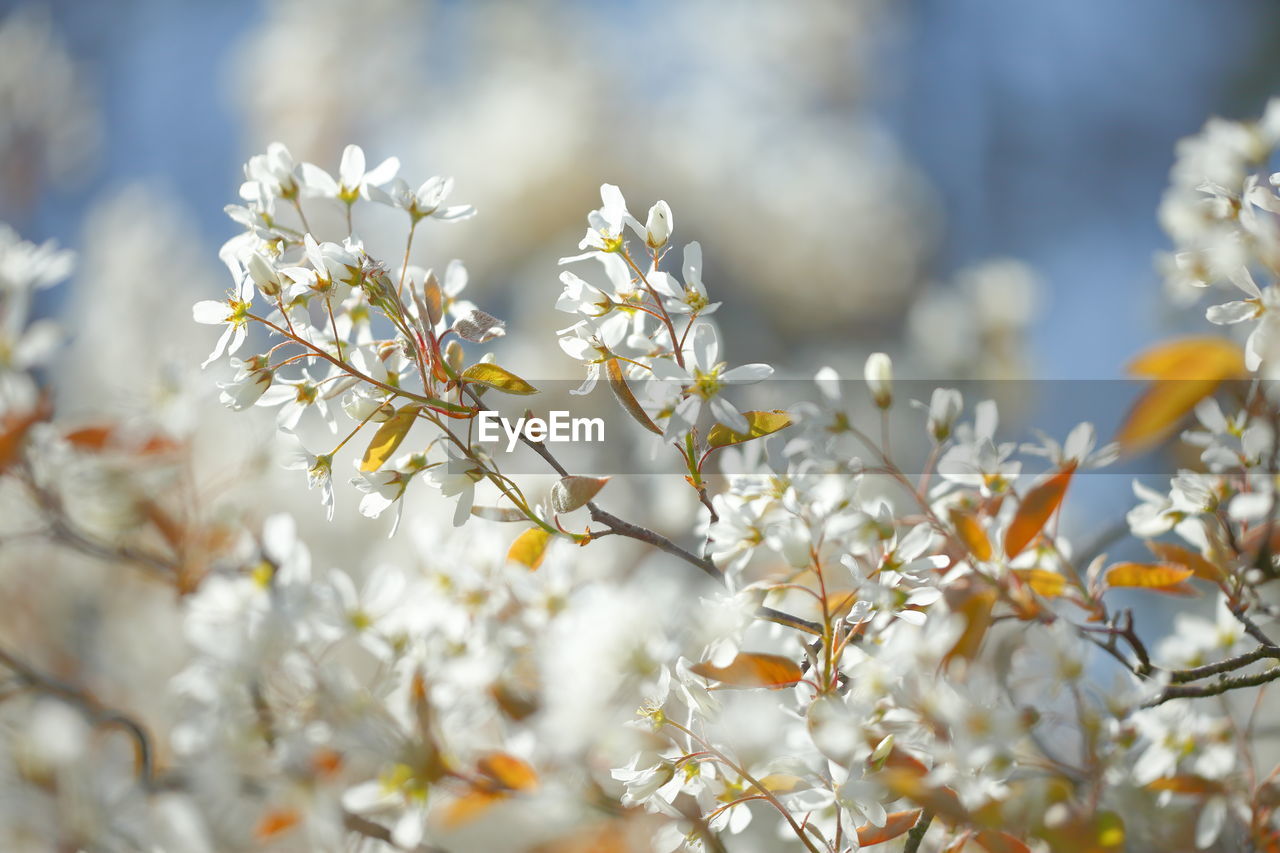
<point>921,657</point>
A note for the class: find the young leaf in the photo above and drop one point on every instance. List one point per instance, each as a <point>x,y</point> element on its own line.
<point>1033,513</point>
<point>1042,581</point>
<point>388,438</point>
<point>574,492</point>
<point>1147,575</point>
<point>1168,552</point>
<point>530,547</point>
<point>479,327</point>
<point>621,390</point>
<point>752,669</point>
<point>508,772</point>
<point>498,513</point>
<point>14,428</point>
<point>895,824</point>
<point>1186,371</point>
<point>497,377</point>
<point>971,534</point>
<point>469,806</point>
<point>759,425</point>
<point>976,609</point>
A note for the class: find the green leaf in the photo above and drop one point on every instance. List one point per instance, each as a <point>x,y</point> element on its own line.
<point>621,390</point>
<point>530,547</point>
<point>388,438</point>
<point>759,424</point>
<point>497,377</point>
<point>573,492</point>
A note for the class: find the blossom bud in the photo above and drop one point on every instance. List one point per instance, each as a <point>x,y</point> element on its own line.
<point>658,226</point>
<point>251,381</point>
<point>879,376</point>
<point>944,408</point>
<point>266,278</point>
<point>453,356</point>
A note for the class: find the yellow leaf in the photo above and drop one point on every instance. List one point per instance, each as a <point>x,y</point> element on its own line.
<point>1190,358</point>
<point>494,376</point>
<point>1147,575</point>
<point>508,771</point>
<point>1168,552</point>
<point>1186,371</point>
<point>1035,509</point>
<point>621,390</point>
<point>530,547</point>
<point>895,824</point>
<point>971,534</point>
<point>783,783</point>
<point>388,438</point>
<point>759,424</point>
<point>752,669</point>
<point>1043,582</point>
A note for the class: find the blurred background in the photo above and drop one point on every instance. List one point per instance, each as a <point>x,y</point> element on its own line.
<point>846,165</point>
<point>969,184</point>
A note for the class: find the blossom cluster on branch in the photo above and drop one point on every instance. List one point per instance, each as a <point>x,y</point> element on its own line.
<point>861,656</point>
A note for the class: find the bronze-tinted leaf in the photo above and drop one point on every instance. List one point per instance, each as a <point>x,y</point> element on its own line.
<point>1168,552</point>
<point>895,824</point>
<point>1186,371</point>
<point>970,532</point>
<point>508,772</point>
<point>1037,506</point>
<point>1160,576</point>
<point>621,390</point>
<point>388,437</point>
<point>752,669</point>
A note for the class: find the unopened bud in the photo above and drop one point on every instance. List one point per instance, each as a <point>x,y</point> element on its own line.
<point>879,376</point>
<point>264,276</point>
<point>658,226</point>
<point>453,356</point>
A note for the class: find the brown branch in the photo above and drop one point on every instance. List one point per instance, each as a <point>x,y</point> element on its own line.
<point>1217,688</point>
<point>98,714</point>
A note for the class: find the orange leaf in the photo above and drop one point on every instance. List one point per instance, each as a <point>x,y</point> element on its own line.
<point>1043,582</point>
<point>1035,509</point>
<point>895,824</point>
<point>1147,575</point>
<point>1205,357</point>
<point>470,806</point>
<point>14,428</point>
<point>508,771</point>
<point>1186,371</point>
<point>1000,842</point>
<point>752,669</point>
<point>971,534</point>
<point>1168,552</point>
<point>277,822</point>
<point>977,613</point>
<point>1186,783</point>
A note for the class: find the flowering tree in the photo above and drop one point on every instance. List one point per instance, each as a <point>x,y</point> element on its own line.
<point>861,655</point>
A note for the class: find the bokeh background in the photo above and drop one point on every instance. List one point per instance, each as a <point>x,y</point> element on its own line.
<point>969,184</point>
